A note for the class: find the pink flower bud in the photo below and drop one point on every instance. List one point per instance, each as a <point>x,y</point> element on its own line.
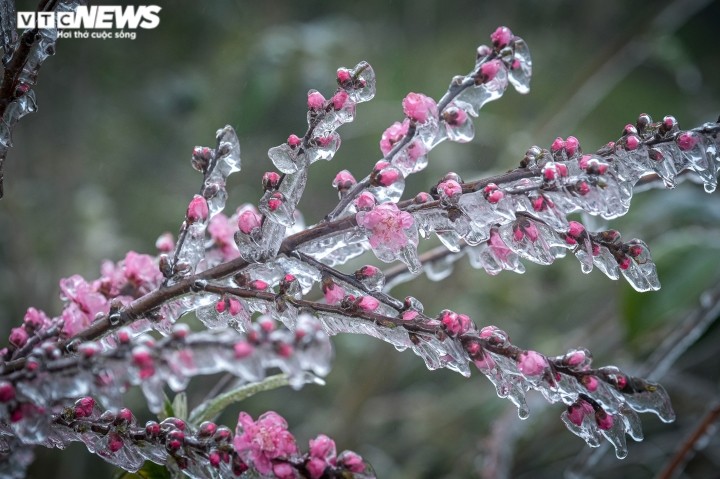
<point>624,262</point>
<point>7,392</point>
<point>557,145</point>
<point>576,414</point>
<point>604,420</point>
<point>322,447</point>
<point>632,142</point>
<point>343,77</point>
<point>562,169</point>
<point>582,188</point>
<point>294,141</point>
<point>531,363</point>
<point>501,37</point>
<point>248,221</point>
<point>165,243</point>
<point>197,209</point>
<point>214,459</point>
<point>115,442</point>
<point>584,161</point>
<point>275,201</point>
<point>334,294</point>
<point>221,306</point>
<point>548,173</point>
<point>365,201</point>
<point>450,188</point>
<point>242,350</point>
<point>387,177</point>
<point>686,141</point>
<point>489,70</point>
<point>235,307</point>
<point>270,180</point>
<point>409,315</point>
<point>419,107</point>
<point>316,467</point>
<point>368,303</point>
<point>18,337</point>
<point>571,145</point>
<point>84,407</point>
<point>344,180</point>
<point>495,196</point>
<point>590,383</point>
<point>339,99</point>
<point>575,229</point>
<point>315,100</point>
<point>352,461</point>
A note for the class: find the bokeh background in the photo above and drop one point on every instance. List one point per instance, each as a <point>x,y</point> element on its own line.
<point>103,167</point>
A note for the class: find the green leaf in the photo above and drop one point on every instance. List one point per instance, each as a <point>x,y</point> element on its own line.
<point>179,406</point>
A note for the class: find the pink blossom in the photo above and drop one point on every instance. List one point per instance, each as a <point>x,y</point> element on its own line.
<point>197,209</point>
<point>386,225</point>
<point>334,294</point>
<point>575,229</point>
<point>222,231</point>
<point>141,270</point>
<point>416,149</point>
<point>419,107</point>
<point>243,350</point>
<point>590,383</point>
<point>392,135</point>
<point>7,392</point>
<point>323,447</point>
<point>248,220</point>
<point>260,442</point>
<point>316,467</point>
<point>576,412</point>
<point>343,76</point>
<point>557,145</point>
<point>315,100</point>
<point>35,319</point>
<point>165,242</point>
<point>501,37</point>
<point>455,116</point>
<point>531,363</point>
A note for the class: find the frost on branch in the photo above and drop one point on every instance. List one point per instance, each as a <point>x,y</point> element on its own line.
<point>269,290</point>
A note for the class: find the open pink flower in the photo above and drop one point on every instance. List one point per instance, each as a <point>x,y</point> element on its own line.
<point>386,225</point>
<point>259,442</point>
<point>392,135</point>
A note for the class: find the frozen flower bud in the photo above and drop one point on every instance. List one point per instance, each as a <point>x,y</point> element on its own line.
<point>449,190</point>
<point>175,440</point>
<point>84,407</point>
<point>582,188</point>
<point>604,420</point>
<point>248,220</point>
<point>7,392</point>
<point>316,467</point>
<point>668,124</point>
<point>351,461</point>
<point>365,201</point>
<point>531,363</point>
<point>624,262</point>
<point>643,121</point>
<point>686,141</point>
<point>501,37</point>
<point>409,315</point>
<point>483,51</point>
<point>392,135</point>
<point>214,459</point>
<point>557,145</point>
<point>294,141</point>
<point>367,303</point>
<point>492,193</point>
<point>419,108</point>
<point>207,429</point>
<point>315,100</point>
<point>270,180</point>
<point>590,383</point>
<point>275,201</point>
<point>632,142</point>
<point>197,210</point>
<point>234,307</point>
<point>488,71</point>
<point>344,78</point>
<point>201,157</point>
<point>18,337</point>
<point>165,243</point>
<point>242,350</point>
<point>333,293</point>
<point>571,145</point>
<point>454,116</point>
<point>421,198</point>
<point>387,177</point>
<point>371,277</point>
<point>339,99</point>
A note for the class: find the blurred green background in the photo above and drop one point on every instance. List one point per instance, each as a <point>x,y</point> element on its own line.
<point>103,167</point>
